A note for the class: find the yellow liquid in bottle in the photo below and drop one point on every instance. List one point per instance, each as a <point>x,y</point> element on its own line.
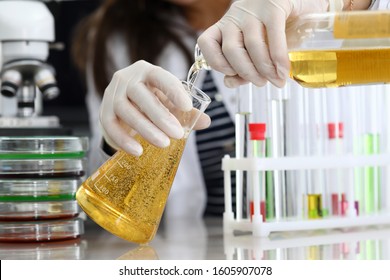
<point>334,68</point>
<point>127,195</point>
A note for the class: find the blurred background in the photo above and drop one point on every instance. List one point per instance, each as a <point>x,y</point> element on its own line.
<point>69,106</point>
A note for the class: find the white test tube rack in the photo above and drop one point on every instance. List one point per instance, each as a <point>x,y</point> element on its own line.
<point>346,163</point>
<point>263,229</point>
<point>236,247</point>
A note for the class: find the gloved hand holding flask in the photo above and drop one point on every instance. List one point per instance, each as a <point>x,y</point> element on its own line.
<point>136,103</point>
<point>127,194</point>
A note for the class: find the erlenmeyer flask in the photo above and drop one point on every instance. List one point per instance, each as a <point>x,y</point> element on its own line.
<point>127,194</point>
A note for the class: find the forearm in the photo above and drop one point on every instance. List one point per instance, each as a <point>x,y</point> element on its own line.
<point>350,5</point>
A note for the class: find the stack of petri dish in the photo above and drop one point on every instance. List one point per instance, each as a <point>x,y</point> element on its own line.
<point>71,249</point>
<point>39,177</point>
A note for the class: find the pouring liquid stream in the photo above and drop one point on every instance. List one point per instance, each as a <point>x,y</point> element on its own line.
<point>199,64</point>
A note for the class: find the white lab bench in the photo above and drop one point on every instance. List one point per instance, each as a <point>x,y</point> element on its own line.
<point>203,239</point>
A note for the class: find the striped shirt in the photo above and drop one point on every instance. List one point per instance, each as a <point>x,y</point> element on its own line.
<point>213,144</point>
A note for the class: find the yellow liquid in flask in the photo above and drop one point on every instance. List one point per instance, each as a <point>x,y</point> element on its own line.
<point>127,195</point>
<point>334,68</point>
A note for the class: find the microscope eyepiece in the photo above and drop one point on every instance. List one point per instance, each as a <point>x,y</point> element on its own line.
<point>47,84</point>
<point>49,91</point>
<point>11,81</point>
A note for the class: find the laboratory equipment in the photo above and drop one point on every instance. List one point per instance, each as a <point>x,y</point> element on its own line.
<point>40,164</point>
<point>41,230</point>
<point>242,116</point>
<point>257,138</point>
<point>43,147</point>
<point>26,32</point>
<point>315,127</point>
<point>127,194</point>
<point>72,249</point>
<point>38,210</point>
<point>332,159</point>
<point>340,49</point>
<point>278,98</point>
<point>358,244</point>
<point>39,176</point>
<point>343,54</point>
<point>46,168</point>
<point>38,190</point>
<point>335,177</point>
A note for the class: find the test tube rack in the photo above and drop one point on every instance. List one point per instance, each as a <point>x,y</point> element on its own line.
<point>313,159</point>
<point>372,243</point>
<point>260,228</point>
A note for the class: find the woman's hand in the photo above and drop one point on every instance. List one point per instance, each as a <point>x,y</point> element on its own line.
<point>135,102</point>
<point>249,43</point>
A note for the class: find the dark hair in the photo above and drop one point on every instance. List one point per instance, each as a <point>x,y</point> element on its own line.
<point>146,25</point>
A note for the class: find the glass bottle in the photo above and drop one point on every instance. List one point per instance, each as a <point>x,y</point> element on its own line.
<point>340,49</point>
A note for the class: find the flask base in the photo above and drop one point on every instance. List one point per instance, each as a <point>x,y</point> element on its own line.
<point>110,219</point>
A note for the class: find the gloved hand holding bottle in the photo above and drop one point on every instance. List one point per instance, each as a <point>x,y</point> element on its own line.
<point>249,43</point>
<point>135,102</point>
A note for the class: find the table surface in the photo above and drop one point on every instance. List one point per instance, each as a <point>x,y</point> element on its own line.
<point>203,239</point>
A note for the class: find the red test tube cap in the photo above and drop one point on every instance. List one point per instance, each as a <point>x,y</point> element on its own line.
<point>332,130</point>
<point>257,131</point>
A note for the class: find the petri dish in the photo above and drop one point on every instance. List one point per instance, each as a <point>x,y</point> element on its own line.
<point>29,211</point>
<point>48,168</point>
<point>72,249</point>
<point>41,230</point>
<point>49,147</point>
<point>38,190</point>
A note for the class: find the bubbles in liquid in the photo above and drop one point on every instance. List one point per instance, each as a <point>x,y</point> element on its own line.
<point>127,195</point>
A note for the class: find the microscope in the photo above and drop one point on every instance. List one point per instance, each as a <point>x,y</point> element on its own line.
<point>26,32</point>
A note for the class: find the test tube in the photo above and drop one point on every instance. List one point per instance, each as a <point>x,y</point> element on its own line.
<point>295,146</point>
<point>351,140</point>
<point>269,182</point>
<point>259,115</point>
<point>257,137</point>
<point>313,198</point>
<point>244,109</point>
<point>382,123</point>
<point>316,146</point>
<point>356,117</point>
<point>334,147</point>
<point>278,98</point>
<point>335,136</point>
<point>371,146</point>
<point>386,189</point>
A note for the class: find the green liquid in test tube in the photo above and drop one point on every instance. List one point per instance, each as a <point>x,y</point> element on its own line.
<point>371,175</point>
<point>371,145</point>
<point>257,138</point>
<point>269,181</point>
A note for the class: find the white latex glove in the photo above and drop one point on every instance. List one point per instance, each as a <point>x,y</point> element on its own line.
<point>135,102</point>
<point>249,43</point>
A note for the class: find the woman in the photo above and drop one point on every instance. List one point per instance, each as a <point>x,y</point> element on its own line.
<point>122,33</point>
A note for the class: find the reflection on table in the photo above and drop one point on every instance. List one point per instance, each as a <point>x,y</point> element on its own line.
<point>354,244</point>
<point>204,239</point>
<point>58,250</point>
